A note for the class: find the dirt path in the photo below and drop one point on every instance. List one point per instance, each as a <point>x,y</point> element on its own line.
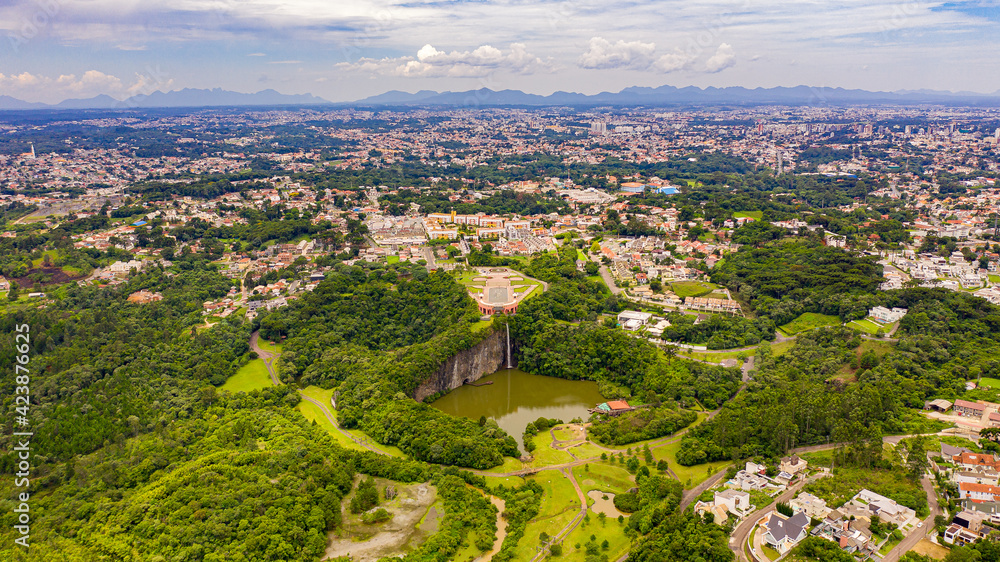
<point>501,530</point>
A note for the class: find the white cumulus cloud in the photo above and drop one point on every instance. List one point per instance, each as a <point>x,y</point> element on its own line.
<point>431,62</point>
<point>602,53</point>
<point>723,58</point>
<point>35,87</point>
<point>673,61</point>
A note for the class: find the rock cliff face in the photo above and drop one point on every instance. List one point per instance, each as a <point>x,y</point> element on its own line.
<point>470,365</point>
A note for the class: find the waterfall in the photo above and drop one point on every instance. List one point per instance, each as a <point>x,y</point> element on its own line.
<point>509,366</point>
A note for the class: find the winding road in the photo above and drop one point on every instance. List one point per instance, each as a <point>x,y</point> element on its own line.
<point>268,359</point>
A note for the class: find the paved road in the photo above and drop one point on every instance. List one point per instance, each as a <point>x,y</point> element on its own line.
<point>690,496</point>
<point>609,281</point>
<point>741,533</point>
<point>266,356</point>
<point>917,533</point>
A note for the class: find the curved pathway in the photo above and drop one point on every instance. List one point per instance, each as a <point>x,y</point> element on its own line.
<point>268,359</point>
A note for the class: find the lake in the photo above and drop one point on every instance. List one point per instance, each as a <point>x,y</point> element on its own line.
<point>516,398</point>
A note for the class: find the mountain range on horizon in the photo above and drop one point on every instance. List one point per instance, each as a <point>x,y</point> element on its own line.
<point>631,96</point>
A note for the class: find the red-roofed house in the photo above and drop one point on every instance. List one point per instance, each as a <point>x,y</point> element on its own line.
<point>978,492</point>
<point>619,406</point>
<point>966,408</point>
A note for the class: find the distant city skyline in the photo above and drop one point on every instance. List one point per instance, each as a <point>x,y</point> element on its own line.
<point>343,51</point>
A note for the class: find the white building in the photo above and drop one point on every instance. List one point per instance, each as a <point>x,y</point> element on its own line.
<point>632,320</point>
<point>887,316</point>
<point>736,502</point>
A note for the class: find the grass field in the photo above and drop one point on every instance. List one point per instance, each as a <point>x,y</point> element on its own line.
<point>866,326</point>
<point>544,455</point>
<point>566,433</point>
<point>782,348</point>
<point>758,215</point>
<point>392,259</point>
<point>580,255</point>
<point>809,321</point>
<point>252,376</point>
<point>988,382</point>
<point>268,346</point>
<point>692,288</point>
<point>610,530</point>
<point>312,413</point>
<point>695,474</point>
<point>879,347</point>
<point>712,357</point>
<point>481,325</point>
<point>604,477</point>
<point>586,450</point>
<point>510,464</point>
<point>559,505</point>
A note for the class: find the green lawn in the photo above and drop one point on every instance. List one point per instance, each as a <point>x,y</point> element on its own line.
<point>311,413</point>
<point>692,288</point>
<point>481,325</point>
<point>782,348</point>
<point>560,505</point>
<point>252,376</point>
<point>564,433</point>
<point>604,477</point>
<point>596,279</point>
<point>868,327</point>
<point>712,357</point>
<point>586,450</point>
<point>268,346</point>
<point>544,455</point>
<point>580,255</point>
<point>392,259</point>
<point>991,383</point>
<point>510,464</point>
<point>696,474</point>
<point>610,530</point>
<point>809,321</point>
<point>758,215</point>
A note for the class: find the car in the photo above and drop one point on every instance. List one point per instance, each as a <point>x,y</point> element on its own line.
<point>920,524</point>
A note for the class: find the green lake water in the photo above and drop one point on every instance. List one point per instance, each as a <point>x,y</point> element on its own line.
<point>516,398</point>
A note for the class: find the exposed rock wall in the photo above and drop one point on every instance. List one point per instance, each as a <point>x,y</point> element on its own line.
<point>470,365</point>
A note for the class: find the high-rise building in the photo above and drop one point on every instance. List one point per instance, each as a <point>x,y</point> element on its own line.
<point>598,128</point>
<point>996,134</point>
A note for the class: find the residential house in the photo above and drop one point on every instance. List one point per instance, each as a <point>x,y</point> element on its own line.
<point>632,320</point>
<point>783,533</point>
<point>978,492</point>
<point>792,465</point>
<point>884,508</point>
<point>736,502</point>
<point>887,316</point>
<point>813,506</point>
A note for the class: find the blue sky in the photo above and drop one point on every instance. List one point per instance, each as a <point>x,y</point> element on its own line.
<point>349,49</point>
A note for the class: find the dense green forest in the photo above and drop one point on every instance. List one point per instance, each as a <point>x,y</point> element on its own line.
<point>92,345</point>
<point>824,388</point>
<point>249,479</point>
<point>375,335</point>
<point>783,279</point>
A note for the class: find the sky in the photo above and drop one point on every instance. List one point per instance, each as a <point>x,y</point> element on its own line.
<point>344,50</point>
